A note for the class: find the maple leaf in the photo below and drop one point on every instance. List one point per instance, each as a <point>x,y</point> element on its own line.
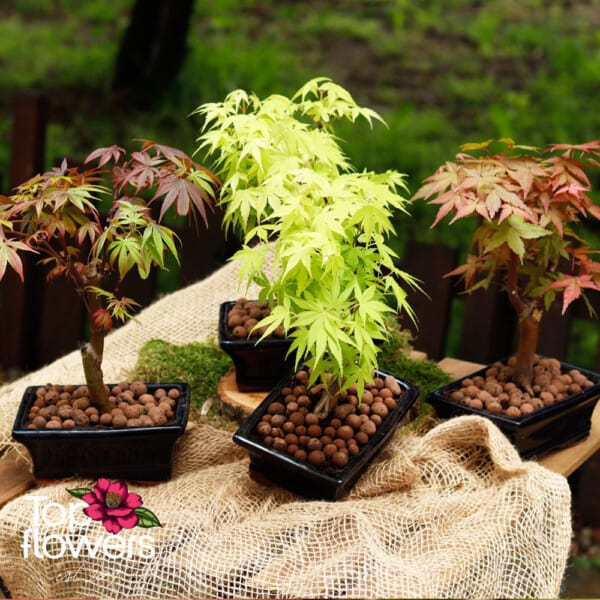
<point>181,192</point>
<point>142,172</point>
<point>470,146</point>
<point>592,147</point>
<point>445,177</point>
<point>113,153</point>
<point>572,288</point>
<point>468,271</point>
<point>9,255</point>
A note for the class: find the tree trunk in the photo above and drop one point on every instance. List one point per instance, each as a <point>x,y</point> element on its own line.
<point>92,351</point>
<point>529,328</point>
<point>153,48</point>
<point>328,400</point>
<point>92,368</point>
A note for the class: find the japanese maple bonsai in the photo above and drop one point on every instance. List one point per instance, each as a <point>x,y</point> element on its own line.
<point>57,216</point>
<point>288,188</point>
<point>527,201</point>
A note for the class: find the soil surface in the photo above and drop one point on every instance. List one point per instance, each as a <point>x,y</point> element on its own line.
<point>68,407</point>
<point>291,424</point>
<point>243,317</point>
<point>497,394</point>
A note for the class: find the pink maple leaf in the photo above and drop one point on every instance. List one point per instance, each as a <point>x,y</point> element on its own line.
<point>572,288</point>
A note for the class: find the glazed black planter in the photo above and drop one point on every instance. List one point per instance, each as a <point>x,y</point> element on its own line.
<point>560,425</point>
<point>330,483</point>
<point>135,453</point>
<point>258,366</point>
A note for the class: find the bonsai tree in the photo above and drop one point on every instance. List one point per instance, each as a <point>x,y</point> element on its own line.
<point>57,215</point>
<point>527,201</point>
<point>287,181</point>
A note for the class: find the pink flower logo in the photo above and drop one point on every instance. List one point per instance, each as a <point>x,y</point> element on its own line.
<point>114,505</point>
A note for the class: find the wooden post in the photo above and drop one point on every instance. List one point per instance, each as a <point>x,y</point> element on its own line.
<point>429,263</point>
<point>17,300</point>
<point>489,327</point>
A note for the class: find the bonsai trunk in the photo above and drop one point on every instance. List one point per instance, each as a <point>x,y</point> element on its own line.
<point>91,356</point>
<point>529,328</point>
<point>328,400</point>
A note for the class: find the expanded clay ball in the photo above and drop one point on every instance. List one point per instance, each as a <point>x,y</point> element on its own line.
<point>82,390</point>
<point>106,419</point>
<point>316,458</point>
<point>137,388</point>
<point>376,419</point>
<point>159,418</point>
<point>513,411</point>
<point>345,432</point>
<point>239,332</point>
<point>353,421</point>
<point>264,428</point>
<point>340,459</point>
<point>146,399</point>
<point>379,408</point>
<point>119,420</point>
<point>302,377</point>
<point>39,422</point>
<point>392,385</point>
<point>133,411</point>
<point>81,403</point>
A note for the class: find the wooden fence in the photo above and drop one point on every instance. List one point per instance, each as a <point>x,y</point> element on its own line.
<point>40,321</point>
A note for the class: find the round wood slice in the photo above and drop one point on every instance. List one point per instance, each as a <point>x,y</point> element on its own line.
<point>233,403</point>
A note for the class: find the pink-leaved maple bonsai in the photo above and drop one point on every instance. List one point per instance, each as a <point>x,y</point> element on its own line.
<point>57,215</point>
<point>527,201</point>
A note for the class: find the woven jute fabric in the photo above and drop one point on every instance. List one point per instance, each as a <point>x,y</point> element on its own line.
<point>452,513</point>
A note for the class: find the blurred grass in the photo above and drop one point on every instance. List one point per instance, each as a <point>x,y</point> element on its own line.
<point>441,74</point>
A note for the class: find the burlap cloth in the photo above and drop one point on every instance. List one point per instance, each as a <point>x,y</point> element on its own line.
<point>454,513</point>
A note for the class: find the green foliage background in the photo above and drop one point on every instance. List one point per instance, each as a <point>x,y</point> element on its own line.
<point>441,73</point>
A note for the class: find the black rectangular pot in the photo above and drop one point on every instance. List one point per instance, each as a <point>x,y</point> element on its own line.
<point>534,435</point>
<point>136,453</point>
<point>301,477</point>
<point>258,366</point>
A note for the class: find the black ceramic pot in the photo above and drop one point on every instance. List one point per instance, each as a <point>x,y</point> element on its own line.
<point>134,453</point>
<point>301,477</point>
<point>534,435</point>
<point>257,366</point>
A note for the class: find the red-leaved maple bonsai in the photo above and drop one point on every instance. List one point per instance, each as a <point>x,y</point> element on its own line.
<point>526,200</point>
<point>57,215</point>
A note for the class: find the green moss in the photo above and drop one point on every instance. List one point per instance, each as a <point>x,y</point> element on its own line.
<point>201,364</point>
<point>425,373</point>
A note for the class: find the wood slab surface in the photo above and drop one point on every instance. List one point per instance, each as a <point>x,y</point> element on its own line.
<point>15,479</point>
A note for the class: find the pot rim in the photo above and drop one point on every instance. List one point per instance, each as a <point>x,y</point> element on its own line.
<point>20,432</point>
<point>336,476</point>
<point>438,395</point>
